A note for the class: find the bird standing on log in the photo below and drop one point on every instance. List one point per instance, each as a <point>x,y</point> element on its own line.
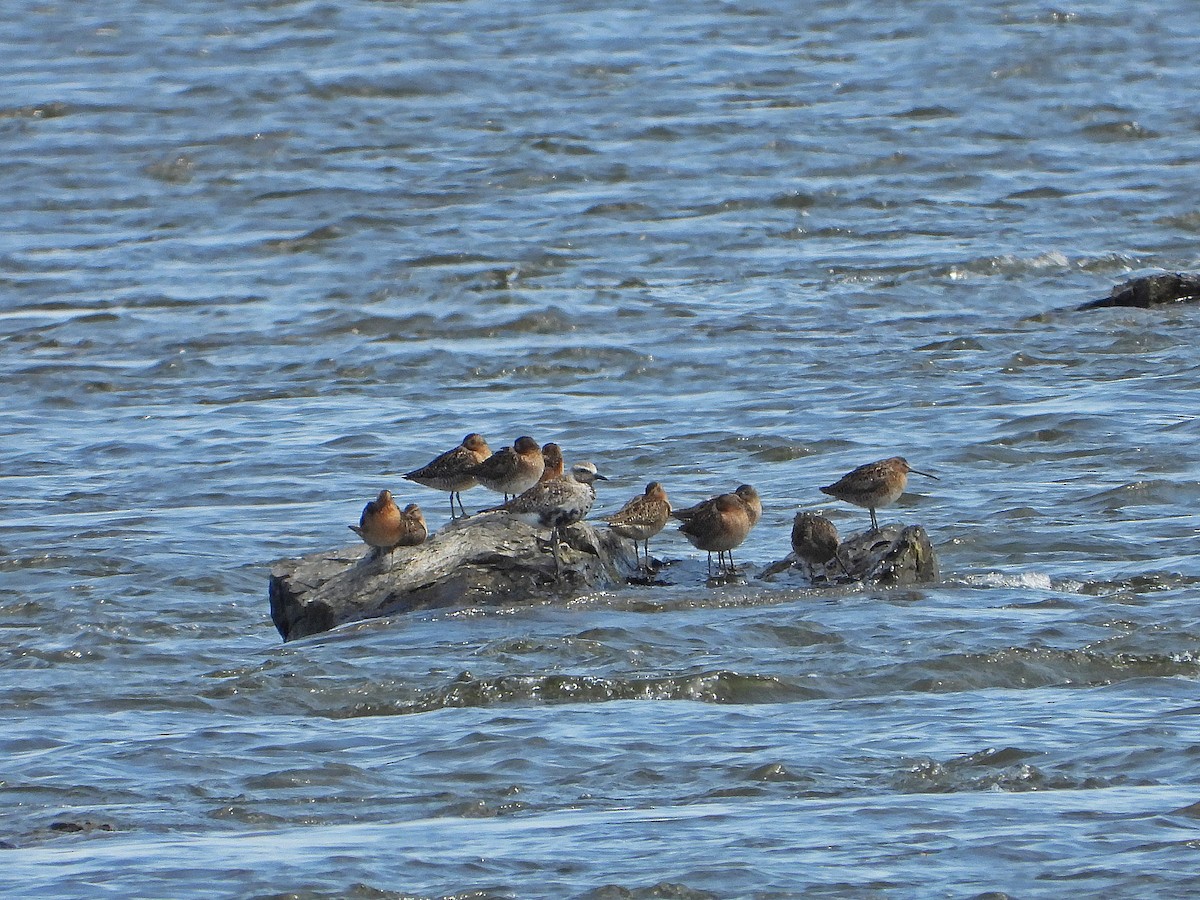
<point>451,471</point>
<point>558,503</point>
<point>874,485</point>
<point>384,527</point>
<point>513,469</point>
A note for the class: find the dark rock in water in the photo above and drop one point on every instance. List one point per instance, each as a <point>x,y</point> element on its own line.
<point>54,830</point>
<point>76,827</point>
<point>490,559</point>
<point>893,555</point>
<point>1151,290</point>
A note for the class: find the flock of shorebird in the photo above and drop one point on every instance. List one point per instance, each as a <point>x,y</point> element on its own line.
<point>537,491</point>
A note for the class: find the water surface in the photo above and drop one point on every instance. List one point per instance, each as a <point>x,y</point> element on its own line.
<point>257,261</point>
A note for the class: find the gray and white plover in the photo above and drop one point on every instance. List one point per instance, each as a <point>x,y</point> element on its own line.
<point>557,504</point>
<point>451,471</point>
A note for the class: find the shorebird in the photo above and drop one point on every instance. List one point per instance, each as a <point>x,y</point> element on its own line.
<point>643,517</point>
<point>557,504</point>
<point>815,540</point>
<point>753,502</point>
<point>687,513</point>
<point>451,470</point>
<point>552,454</point>
<point>874,485</point>
<point>512,470</point>
<point>413,530</point>
<point>383,526</point>
<point>746,493</point>
<point>719,524</point>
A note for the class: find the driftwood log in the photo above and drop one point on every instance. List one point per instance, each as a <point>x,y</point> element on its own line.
<point>490,559</point>
<point>1151,290</point>
<point>892,556</point>
<point>494,559</point>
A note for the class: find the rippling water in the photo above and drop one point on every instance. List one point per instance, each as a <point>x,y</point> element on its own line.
<point>258,259</point>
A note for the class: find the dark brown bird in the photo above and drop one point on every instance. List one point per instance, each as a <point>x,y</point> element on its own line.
<point>719,524</point>
<point>746,493</point>
<point>513,469</point>
<point>451,471</point>
<point>874,485</point>
<point>814,540</point>
<point>643,517</point>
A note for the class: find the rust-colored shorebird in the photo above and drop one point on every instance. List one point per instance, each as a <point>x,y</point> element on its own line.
<point>451,471</point>
<point>746,493</point>
<point>874,485</point>
<point>552,455</point>
<point>815,540</point>
<point>384,527</point>
<point>643,517</point>
<point>513,469</point>
<point>720,524</point>
<point>753,502</point>
<point>558,503</point>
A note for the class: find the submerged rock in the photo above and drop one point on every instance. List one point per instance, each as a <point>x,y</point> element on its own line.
<point>489,559</point>
<point>893,555</point>
<point>1151,290</point>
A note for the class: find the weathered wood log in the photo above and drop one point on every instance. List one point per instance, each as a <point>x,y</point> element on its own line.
<point>1151,290</point>
<point>490,558</point>
<point>893,555</point>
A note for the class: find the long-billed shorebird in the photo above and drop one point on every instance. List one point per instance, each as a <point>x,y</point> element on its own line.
<point>451,471</point>
<point>874,485</point>
<point>815,541</point>
<point>513,469</point>
<point>384,527</point>
<point>746,493</point>
<point>721,524</point>
<point>558,503</point>
<point>643,517</point>
<point>714,522</point>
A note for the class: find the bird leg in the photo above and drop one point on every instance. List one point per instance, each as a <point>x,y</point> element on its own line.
<point>557,557</point>
<point>842,565</point>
